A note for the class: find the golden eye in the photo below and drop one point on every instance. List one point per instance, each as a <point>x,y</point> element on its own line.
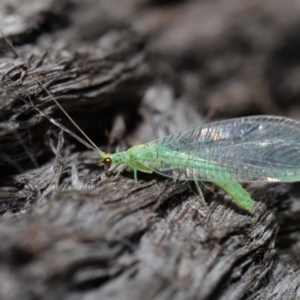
<point>107,161</point>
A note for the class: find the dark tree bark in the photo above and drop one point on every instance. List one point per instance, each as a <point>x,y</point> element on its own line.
<point>129,72</point>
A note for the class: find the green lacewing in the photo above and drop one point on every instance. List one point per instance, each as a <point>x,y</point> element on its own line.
<point>249,149</point>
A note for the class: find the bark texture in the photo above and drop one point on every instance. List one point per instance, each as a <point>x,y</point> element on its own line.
<point>129,72</point>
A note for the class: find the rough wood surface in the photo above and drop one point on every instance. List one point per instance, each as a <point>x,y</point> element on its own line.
<point>130,72</point>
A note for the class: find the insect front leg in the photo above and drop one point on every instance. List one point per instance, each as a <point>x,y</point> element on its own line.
<point>119,172</point>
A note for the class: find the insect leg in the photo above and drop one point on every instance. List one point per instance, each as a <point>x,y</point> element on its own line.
<point>135,175</point>
<point>115,177</point>
<point>201,194</point>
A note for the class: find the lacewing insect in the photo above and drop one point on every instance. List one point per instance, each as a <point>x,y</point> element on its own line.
<point>249,149</point>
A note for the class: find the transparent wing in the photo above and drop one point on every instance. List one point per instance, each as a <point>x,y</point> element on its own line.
<point>258,148</point>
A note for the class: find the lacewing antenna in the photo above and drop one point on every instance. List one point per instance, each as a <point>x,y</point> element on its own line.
<point>91,144</point>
